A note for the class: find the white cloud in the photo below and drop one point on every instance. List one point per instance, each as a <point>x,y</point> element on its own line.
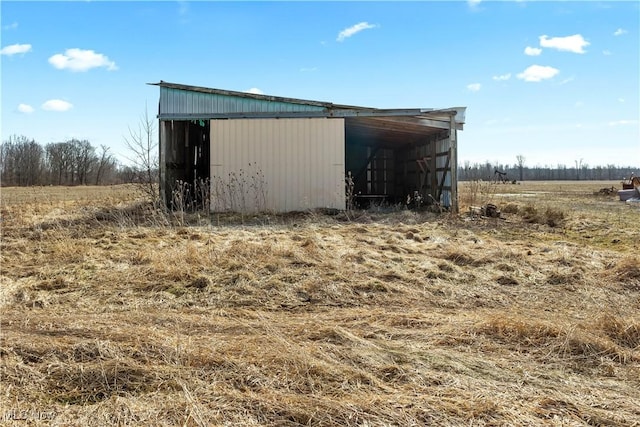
<point>25,108</point>
<point>81,60</point>
<point>348,32</point>
<point>536,73</point>
<point>567,80</point>
<point>502,77</point>
<point>532,51</point>
<point>620,32</point>
<point>575,43</point>
<point>57,105</point>
<point>15,49</point>
<point>620,99</point>
<point>623,122</point>
<point>607,52</point>
<point>255,90</point>
<point>11,26</point>
<point>474,87</point>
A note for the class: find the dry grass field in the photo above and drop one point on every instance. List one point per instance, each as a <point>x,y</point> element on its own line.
<point>111,315</point>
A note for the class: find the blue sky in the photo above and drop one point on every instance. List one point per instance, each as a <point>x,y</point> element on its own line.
<point>553,81</point>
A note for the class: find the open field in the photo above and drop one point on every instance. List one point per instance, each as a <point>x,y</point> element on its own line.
<point>111,315</point>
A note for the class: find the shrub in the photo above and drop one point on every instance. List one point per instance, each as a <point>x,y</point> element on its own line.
<point>551,217</point>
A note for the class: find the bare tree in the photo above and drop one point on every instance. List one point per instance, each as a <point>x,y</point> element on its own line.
<point>85,159</point>
<point>521,159</point>
<point>58,161</point>
<point>8,162</point>
<point>22,161</point>
<point>143,145</point>
<point>578,167</point>
<point>70,161</point>
<point>127,174</point>
<point>105,163</point>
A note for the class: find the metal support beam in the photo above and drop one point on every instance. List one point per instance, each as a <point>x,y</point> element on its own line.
<point>416,115</point>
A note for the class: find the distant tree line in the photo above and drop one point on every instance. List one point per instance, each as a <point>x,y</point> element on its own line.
<point>24,162</point>
<point>520,172</point>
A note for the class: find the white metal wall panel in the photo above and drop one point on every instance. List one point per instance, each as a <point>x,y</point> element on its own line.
<point>278,165</point>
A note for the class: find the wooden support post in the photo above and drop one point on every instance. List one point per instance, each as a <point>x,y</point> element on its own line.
<point>453,140</point>
<point>404,158</point>
<point>433,182</point>
<point>424,170</point>
<point>162,161</point>
<point>418,179</point>
<point>444,175</point>
<point>375,150</point>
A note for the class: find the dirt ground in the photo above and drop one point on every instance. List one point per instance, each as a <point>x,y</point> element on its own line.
<point>111,314</point>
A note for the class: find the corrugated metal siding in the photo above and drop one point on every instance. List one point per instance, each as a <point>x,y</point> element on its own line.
<point>278,165</point>
<point>442,146</point>
<point>176,101</point>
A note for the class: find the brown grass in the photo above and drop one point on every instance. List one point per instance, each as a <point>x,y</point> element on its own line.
<point>111,315</point>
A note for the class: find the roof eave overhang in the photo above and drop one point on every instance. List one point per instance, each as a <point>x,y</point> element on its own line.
<point>423,117</point>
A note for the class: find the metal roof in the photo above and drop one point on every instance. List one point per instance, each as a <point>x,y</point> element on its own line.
<point>248,95</point>
<point>185,102</point>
